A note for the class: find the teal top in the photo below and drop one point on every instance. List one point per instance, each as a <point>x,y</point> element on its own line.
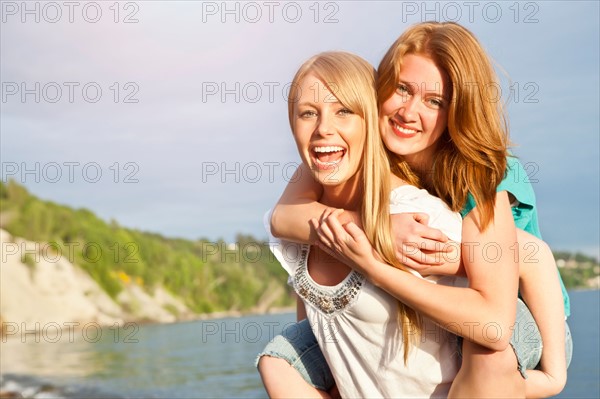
<point>524,210</point>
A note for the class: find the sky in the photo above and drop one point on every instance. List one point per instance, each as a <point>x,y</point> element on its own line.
<point>171,117</point>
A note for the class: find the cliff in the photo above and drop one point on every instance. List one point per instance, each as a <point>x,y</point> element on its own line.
<point>39,286</point>
<point>147,276</point>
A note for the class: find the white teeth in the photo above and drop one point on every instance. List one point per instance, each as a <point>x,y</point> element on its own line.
<point>404,130</point>
<point>332,163</point>
<point>328,149</point>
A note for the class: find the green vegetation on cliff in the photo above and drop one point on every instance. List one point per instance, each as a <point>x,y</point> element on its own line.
<point>208,276</point>
<point>578,270</point>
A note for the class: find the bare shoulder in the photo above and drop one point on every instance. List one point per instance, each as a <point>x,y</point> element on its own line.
<point>396,181</point>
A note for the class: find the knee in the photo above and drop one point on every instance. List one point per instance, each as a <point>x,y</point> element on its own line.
<point>269,365</point>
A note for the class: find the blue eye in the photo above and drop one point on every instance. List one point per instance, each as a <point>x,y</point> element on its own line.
<point>307,114</point>
<point>402,89</point>
<point>345,111</point>
<point>435,102</point>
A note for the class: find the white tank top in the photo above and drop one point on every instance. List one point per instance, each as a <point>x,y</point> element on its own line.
<point>356,323</point>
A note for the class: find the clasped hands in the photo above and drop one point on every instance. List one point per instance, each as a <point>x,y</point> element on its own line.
<point>417,245</point>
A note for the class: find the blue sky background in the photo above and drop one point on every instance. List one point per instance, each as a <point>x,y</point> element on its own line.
<point>206,149</point>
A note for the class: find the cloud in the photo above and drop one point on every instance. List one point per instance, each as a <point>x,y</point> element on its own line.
<point>187,88</point>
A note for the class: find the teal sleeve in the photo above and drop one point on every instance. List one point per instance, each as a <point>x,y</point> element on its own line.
<point>516,181</point>
<point>469,205</point>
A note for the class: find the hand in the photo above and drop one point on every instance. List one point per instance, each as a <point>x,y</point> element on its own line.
<point>347,243</point>
<point>418,246</point>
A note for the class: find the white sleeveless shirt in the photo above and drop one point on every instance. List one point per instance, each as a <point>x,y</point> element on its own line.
<point>356,323</point>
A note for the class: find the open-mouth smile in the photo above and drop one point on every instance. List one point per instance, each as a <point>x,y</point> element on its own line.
<point>327,157</point>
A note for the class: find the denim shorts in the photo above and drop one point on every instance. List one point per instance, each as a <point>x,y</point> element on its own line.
<point>526,341</point>
<point>298,346</point>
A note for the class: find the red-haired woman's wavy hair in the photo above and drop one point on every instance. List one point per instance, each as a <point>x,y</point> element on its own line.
<point>471,153</point>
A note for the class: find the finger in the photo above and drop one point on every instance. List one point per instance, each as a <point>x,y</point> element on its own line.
<point>321,237</point>
<point>407,252</point>
<point>355,232</point>
<point>431,259</point>
<point>332,213</point>
<point>325,232</point>
<point>415,254</point>
<point>410,263</point>
<point>431,233</point>
<point>335,226</point>
<point>431,245</point>
<point>323,243</point>
<point>322,219</point>
<point>326,213</point>
<point>416,225</point>
<point>422,218</point>
<point>314,223</point>
<point>337,212</point>
<point>324,216</point>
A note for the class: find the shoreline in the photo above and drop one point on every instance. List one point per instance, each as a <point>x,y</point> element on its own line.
<point>189,318</point>
<point>215,315</point>
<point>205,316</point>
<point>240,313</point>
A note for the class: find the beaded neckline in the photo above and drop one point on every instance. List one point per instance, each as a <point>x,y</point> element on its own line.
<point>328,299</point>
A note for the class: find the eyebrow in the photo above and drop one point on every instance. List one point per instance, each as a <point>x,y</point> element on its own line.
<point>312,103</point>
<point>412,85</point>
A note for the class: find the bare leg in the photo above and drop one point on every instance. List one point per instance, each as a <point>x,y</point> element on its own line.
<point>487,374</point>
<point>283,381</point>
<point>540,288</point>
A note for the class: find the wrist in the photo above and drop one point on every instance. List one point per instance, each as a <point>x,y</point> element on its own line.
<point>378,273</point>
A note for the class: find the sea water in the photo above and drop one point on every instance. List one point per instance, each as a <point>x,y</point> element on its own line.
<point>205,358</point>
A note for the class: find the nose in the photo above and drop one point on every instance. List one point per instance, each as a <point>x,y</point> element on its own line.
<point>325,126</point>
<point>408,110</point>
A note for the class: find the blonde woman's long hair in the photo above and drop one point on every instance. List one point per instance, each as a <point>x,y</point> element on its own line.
<point>471,154</point>
<point>352,81</point>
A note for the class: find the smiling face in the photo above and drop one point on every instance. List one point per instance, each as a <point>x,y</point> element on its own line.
<point>415,116</point>
<point>329,136</point>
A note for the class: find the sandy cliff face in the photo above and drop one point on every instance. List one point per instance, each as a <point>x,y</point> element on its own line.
<point>38,287</point>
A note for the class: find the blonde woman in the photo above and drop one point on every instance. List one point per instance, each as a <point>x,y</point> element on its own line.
<point>358,326</point>
<point>448,137</point>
